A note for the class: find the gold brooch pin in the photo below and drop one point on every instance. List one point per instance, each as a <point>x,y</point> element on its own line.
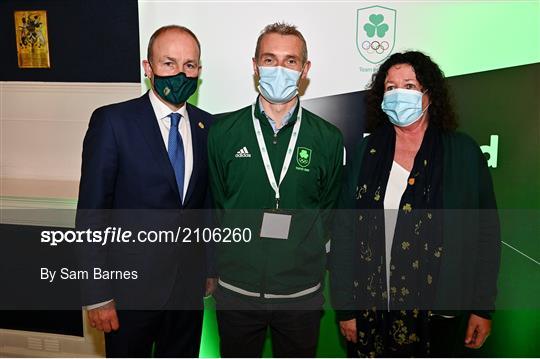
<point>201,125</point>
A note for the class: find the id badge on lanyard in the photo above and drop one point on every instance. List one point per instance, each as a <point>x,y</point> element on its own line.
<point>276,223</point>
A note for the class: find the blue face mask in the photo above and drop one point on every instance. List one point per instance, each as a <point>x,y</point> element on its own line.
<point>403,107</point>
<point>278,84</point>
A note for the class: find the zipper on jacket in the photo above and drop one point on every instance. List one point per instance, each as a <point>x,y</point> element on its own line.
<point>263,272</point>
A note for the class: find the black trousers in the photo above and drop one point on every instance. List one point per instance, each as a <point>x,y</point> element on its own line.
<point>174,333</point>
<point>243,324</point>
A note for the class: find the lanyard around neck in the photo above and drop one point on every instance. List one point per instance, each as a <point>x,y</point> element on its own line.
<point>264,153</point>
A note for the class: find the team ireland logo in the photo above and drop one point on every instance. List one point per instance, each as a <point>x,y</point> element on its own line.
<point>303,156</point>
<point>375,32</point>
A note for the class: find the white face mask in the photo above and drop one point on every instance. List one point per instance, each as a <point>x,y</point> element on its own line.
<point>278,84</point>
<point>403,107</point>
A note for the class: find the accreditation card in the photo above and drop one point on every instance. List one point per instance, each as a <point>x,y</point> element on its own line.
<point>276,224</point>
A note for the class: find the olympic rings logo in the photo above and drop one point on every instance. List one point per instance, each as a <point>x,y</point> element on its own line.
<point>378,47</point>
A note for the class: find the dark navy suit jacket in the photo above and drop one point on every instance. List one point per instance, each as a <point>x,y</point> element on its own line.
<point>126,169</point>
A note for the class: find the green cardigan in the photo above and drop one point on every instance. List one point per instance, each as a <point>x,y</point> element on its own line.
<point>469,266</point>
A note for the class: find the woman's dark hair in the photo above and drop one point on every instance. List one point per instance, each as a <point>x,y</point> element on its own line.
<point>429,75</point>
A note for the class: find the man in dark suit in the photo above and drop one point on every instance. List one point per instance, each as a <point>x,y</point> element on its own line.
<point>147,154</point>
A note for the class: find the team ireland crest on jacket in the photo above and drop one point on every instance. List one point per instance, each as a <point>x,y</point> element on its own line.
<point>303,156</point>
<point>375,32</point>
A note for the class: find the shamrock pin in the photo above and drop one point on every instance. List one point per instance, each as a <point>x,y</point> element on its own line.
<point>375,24</point>
<point>303,157</point>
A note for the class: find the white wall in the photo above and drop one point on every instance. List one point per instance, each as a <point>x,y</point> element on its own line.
<point>42,125</point>
<point>461,36</point>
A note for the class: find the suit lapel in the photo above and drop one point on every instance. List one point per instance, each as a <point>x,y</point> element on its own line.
<point>195,142</point>
<point>147,122</point>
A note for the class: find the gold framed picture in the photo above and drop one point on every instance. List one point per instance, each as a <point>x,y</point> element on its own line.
<point>32,39</point>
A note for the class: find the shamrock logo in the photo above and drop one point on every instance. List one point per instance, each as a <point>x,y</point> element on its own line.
<point>375,34</point>
<point>376,25</point>
<point>303,156</point>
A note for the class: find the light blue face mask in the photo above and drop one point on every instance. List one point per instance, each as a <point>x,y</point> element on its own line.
<point>278,84</point>
<point>403,107</point>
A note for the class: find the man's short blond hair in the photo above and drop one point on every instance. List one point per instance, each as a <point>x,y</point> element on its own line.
<point>282,28</point>
<point>164,29</point>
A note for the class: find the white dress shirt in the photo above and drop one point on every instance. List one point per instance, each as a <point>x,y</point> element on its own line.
<point>162,113</point>
<point>397,183</point>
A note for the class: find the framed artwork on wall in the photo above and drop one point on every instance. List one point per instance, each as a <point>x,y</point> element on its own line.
<point>32,39</point>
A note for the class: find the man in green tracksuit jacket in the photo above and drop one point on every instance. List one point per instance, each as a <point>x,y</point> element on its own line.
<point>274,168</point>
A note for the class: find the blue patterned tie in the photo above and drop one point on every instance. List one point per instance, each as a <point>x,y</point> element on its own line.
<point>176,152</point>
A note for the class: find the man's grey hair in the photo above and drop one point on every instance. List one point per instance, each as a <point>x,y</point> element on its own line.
<point>282,28</point>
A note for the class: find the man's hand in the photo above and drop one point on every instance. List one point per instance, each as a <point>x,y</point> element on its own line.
<point>211,285</point>
<point>348,330</point>
<point>478,330</point>
<point>104,318</point>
